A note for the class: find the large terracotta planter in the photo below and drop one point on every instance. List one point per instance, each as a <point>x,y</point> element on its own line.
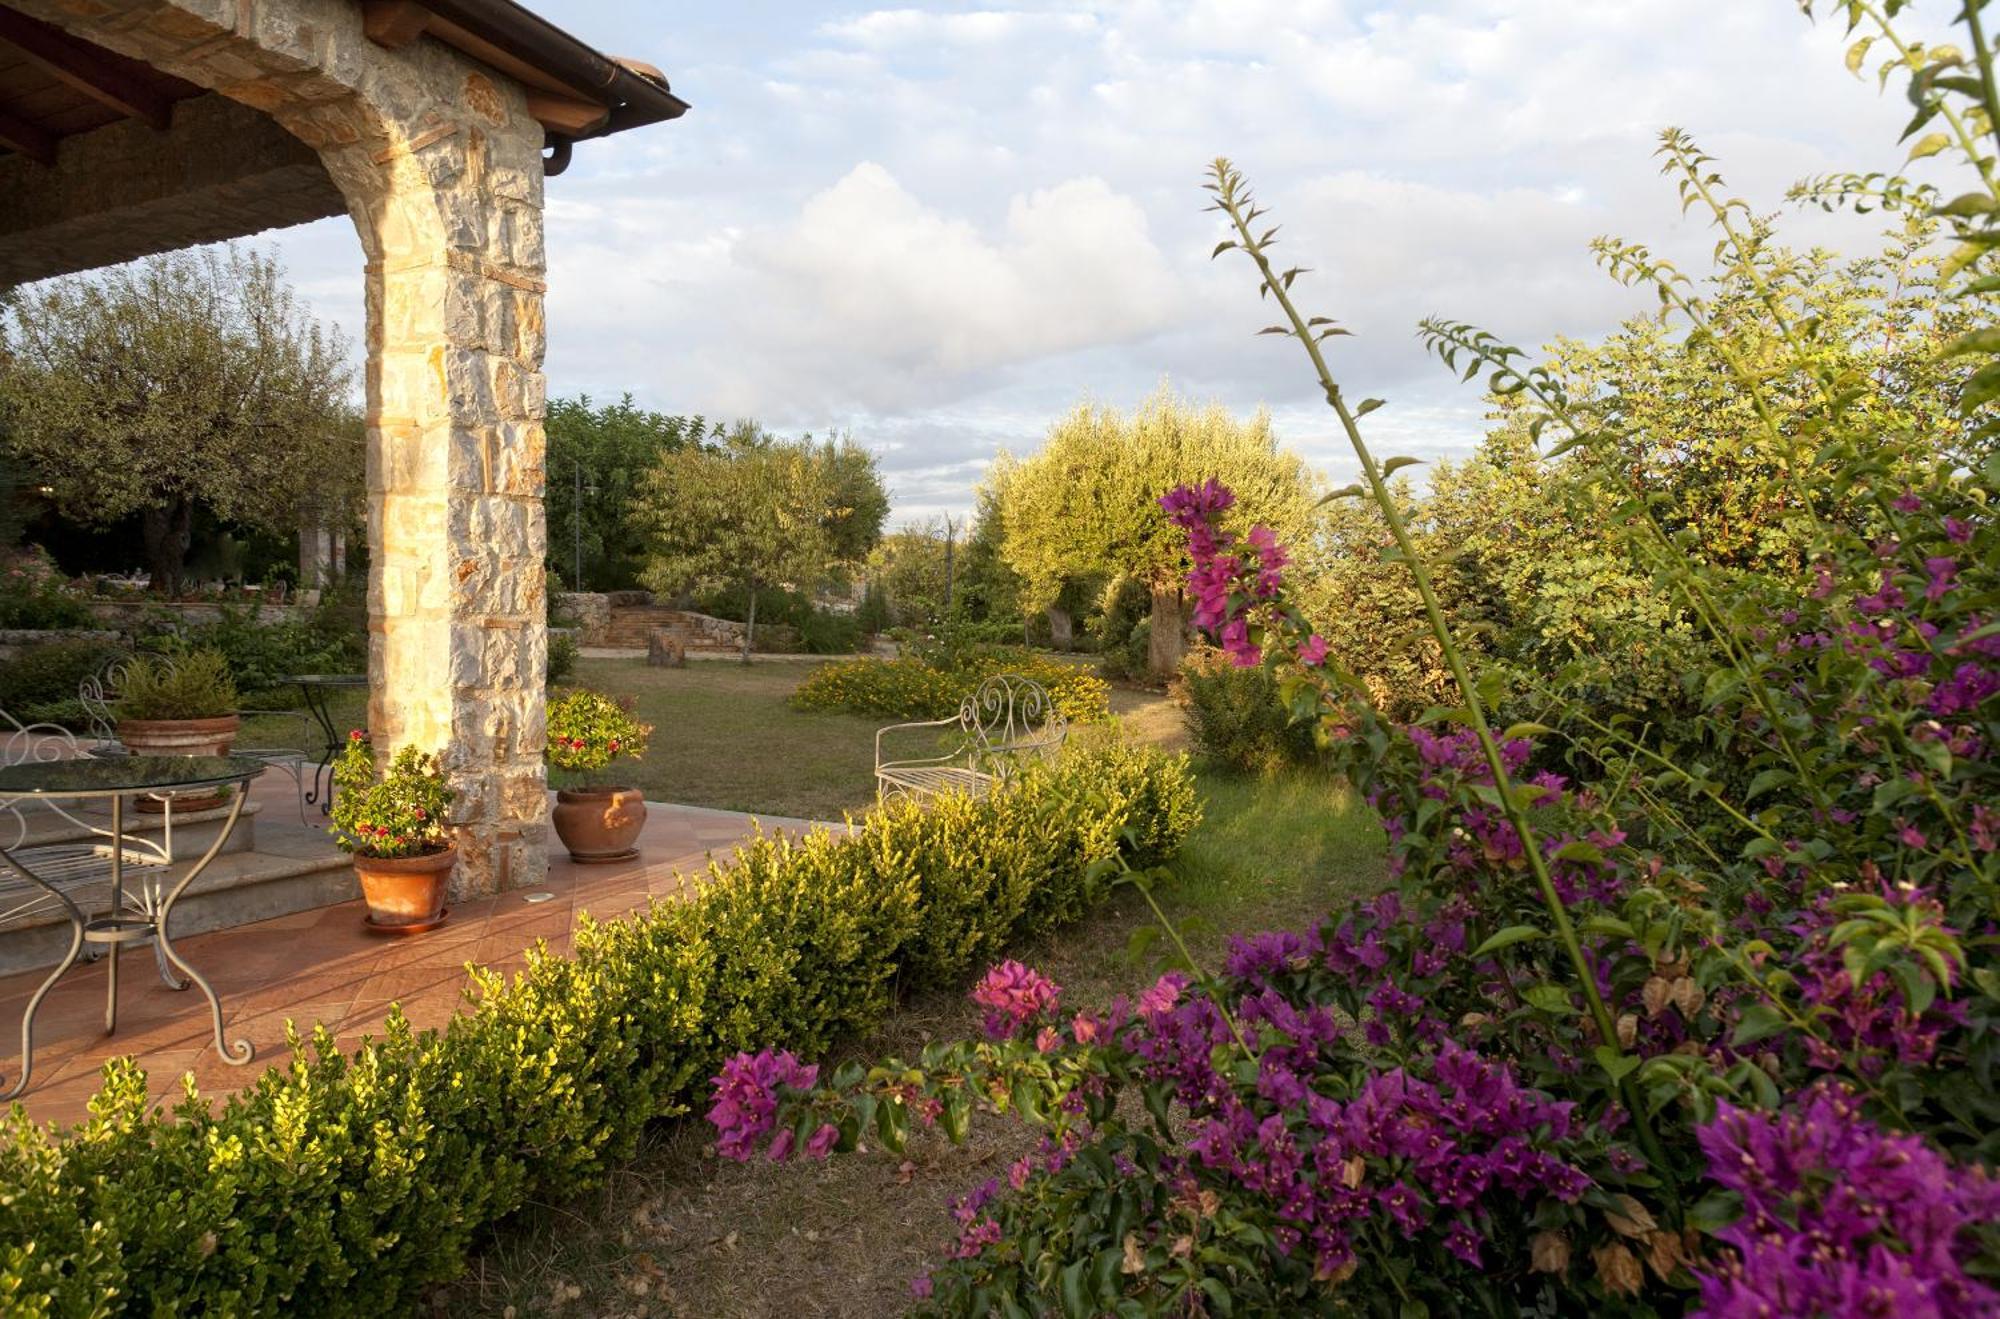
<point>180,737</point>
<point>600,825</point>
<point>406,894</point>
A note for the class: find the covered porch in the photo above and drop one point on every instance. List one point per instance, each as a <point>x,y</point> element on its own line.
<point>130,127</point>
<point>323,966</point>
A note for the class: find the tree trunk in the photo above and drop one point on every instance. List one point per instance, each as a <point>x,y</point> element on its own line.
<point>1167,645</point>
<point>750,626</point>
<point>167,530</point>
<point>1062,631</point>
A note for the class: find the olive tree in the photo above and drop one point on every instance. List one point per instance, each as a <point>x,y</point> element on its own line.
<point>193,378</point>
<point>757,512</point>
<point>1087,504</point>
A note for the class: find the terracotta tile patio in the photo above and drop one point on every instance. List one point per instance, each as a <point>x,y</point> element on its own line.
<point>323,965</point>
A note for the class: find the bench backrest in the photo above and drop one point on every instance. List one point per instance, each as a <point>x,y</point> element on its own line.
<point>1009,715</point>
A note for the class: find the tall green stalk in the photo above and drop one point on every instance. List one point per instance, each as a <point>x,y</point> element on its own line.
<point>1234,201</point>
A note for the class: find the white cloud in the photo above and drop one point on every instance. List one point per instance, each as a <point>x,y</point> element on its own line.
<point>940,225</point>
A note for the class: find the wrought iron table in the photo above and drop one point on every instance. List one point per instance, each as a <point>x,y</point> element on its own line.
<point>317,687</point>
<point>117,778</point>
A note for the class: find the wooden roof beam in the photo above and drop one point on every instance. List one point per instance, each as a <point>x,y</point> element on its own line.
<point>84,67</point>
<point>31,140</point>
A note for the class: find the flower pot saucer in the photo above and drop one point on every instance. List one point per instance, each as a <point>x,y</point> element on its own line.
<point>605,859</point>
<point>415,927</point>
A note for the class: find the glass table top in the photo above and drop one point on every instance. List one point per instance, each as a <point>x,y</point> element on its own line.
<point>113,775</point>
<point>327,679</point>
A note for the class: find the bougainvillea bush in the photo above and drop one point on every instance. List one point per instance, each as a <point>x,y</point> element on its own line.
<point>1655,1021</point>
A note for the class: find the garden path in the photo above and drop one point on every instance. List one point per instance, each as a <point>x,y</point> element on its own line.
<point>323,966</point>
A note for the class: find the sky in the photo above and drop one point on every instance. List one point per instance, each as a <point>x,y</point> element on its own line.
<point>938,228</point>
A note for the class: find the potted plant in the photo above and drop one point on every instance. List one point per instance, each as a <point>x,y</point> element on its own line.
<point>394,825</point>
<point>596,821</point>
<point>176,705</point>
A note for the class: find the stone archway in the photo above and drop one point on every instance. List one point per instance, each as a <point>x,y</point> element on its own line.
<point>441,168</point>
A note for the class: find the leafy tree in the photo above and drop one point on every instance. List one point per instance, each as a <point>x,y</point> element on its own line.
<point>909,566</point>
<point>597,457</point>
<point>194,378</point>
<point>1087,505</point>
<point>753,512</point>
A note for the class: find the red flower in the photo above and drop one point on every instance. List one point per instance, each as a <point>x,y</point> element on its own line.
<point>357,735</point>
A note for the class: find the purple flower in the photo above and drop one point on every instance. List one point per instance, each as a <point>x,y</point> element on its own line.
<point>746,1100</point>
<point>1013,995</point>
<point>1841,1217</point>
<point>1907,502</point>
<point>1940,570</point>
<point>821,1142</point>
<point>1312,651</point>
<point>1957,530</point>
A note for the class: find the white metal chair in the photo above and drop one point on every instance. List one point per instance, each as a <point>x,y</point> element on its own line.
<point>77,851</point>
<point>1008,718</point>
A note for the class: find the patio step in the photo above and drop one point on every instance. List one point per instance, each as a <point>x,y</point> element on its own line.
<point>294,868</point>
<point>192,831</point>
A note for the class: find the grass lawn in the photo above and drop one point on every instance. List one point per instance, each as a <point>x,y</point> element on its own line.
<point>723,736</point>
<point>679,1232</point>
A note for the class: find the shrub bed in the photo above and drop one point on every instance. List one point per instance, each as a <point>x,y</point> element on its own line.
<point>1238,719</point>
<point>341,1184</point>
<point>920,688</point>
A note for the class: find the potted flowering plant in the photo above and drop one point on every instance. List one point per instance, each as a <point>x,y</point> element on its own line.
<point>597,822</point>
<point>394,824</point>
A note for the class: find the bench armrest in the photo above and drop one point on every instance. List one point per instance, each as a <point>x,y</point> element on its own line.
<point>893,728</point>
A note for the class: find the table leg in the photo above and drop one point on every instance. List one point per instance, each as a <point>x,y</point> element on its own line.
<point>230,1052</point>
<point>76,924</point>
<point>117,910</point>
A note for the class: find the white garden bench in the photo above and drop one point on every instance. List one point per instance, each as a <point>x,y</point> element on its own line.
<point>1007,719</point>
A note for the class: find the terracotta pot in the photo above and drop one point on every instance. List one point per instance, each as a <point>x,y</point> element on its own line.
<point>406,894</point>
<point>600,824</point>
<point>180,737</point>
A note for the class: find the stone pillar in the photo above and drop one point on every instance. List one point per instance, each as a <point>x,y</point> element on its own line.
<point>450,219</point>
<point>315,556</point>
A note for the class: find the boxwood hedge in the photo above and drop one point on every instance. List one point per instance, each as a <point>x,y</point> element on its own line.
<point>340,1184</point>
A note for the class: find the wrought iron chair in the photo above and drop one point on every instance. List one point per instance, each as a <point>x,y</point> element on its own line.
<point>98,694</point>
<point>1007,719</point>
<point>75,852</point>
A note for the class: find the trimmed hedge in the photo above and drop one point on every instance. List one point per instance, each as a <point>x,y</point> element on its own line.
<point>342,1184</point>
<point>912,688</point>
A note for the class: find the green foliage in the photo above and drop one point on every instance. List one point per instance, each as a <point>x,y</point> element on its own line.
<point>262,653</point>
<point>1121,628</point>
<point>34,596</point>
<point>1086,506</point>
<point>342,1184</point>
<point>757,513</point>
<point>588,730</point>
<point>40,683</point>
<point>194,685</point>
<point>397,813</point>
<point>926,688</point>
<point>1238,719</point>
<point>563,654</point>
<point>598,455</point>
<point>225,393</point>
<point>805,627</point>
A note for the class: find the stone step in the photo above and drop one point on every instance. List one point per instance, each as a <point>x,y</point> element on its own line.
<point>181,835</point>
<point>294,868</point>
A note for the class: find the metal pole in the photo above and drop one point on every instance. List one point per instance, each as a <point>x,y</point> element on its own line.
<point>576,528</point>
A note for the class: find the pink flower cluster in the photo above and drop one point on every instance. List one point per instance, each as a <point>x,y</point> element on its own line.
<point>1231,577</point>
<point>746,1104</point>
<point>1014,995</point>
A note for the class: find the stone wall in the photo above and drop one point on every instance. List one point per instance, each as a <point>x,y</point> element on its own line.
<point>589,611</point>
